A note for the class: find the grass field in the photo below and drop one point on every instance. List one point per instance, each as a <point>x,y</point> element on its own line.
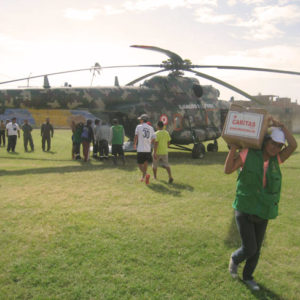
<point>70,230</point>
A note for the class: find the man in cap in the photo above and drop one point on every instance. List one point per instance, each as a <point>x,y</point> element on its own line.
<point>144,137</point>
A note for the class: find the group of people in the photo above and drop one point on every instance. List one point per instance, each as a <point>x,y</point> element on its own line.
<point>11,130</point>
<point>152,147</point>
<point>144,140</point>
<point>100,136</point>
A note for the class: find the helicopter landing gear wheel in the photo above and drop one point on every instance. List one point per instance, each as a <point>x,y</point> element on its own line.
<point>198,151</point>
<point>212,147</point>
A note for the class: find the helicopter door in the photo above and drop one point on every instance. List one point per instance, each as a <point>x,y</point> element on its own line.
<point>177,122</point>
<point>224,113</point>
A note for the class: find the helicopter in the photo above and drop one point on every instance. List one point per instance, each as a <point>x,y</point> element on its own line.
<point>192,113</point>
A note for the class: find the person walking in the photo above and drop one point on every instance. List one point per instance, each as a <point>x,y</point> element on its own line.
<point>87,137</point>
<point>104,136</point>
<point>117,135</point>
<point>12,131</point>
<point>96,138</point>
<point>47,132</point>
<point>27,137</point>
<point>76,139</point>
<point>144,137</point>
<point>2,133</point>
<point>160,153</point>
<point>257,195</point>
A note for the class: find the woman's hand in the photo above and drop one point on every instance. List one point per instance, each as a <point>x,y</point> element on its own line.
<point>232,162</point>
<point>275,123</point>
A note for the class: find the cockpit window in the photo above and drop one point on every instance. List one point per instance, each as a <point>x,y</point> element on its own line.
<point>198,91</point>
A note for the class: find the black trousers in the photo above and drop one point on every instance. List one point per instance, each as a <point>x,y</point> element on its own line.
<point>46,139</point>
<point>76,148</point>
<point>252,231</point>
<point>28,139</point>
<point>2,137</point>
<point>11,143</point>
<point>103,148</point>
<point>95,148</point>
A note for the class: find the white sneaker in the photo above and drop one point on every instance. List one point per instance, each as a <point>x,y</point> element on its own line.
<point>233,269</point>
<point>252,285</point>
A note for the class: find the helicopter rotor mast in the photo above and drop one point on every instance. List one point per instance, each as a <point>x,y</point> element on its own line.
<point>176,63</point>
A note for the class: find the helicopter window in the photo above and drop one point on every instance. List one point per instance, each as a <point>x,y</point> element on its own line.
<point>198,91</point>
<point>177,122</point>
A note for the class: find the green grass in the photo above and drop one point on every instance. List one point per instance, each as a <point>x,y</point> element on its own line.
<point>70,230</point>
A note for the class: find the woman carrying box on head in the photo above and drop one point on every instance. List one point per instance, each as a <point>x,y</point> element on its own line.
<point>257,194</point>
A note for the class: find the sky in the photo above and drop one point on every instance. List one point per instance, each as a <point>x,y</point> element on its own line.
<point>39,37</point>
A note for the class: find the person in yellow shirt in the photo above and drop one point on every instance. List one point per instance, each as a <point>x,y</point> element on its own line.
<point>160,153</point>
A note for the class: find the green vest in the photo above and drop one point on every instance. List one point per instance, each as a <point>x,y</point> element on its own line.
<point>117,135</point>
<point>251,197</point>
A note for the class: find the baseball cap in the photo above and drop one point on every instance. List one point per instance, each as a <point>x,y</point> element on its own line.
<point>143,117</point>
<point>277,135</point>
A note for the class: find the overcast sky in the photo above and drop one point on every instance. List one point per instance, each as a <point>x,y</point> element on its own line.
<point>38,37</point>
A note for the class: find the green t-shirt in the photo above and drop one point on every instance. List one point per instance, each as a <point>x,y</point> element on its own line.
<point>117,135</point>
<point>162,137</point>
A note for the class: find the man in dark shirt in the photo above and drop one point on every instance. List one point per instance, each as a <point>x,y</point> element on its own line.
<point>2,133</point>
<point>27,136</point>
<point>87,137</point>
<point>47,133</point>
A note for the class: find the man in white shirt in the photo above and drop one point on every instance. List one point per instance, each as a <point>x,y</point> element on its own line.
<point>144,137</point>
<point>96,138</point>
<point>12,131</point>
<point>104,138</point>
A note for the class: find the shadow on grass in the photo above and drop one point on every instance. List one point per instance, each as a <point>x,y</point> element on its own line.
<point>50,152</point>
<point>174,189</point>
<point>264,293</point>
<point>84,166</point>
<point>33,158</point>
<point>129,158</point>
<point>176,158</point>
<point>210,158</point>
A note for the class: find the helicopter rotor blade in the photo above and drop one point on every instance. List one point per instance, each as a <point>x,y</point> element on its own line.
<point>246,69</point>
<point>170,54</point>
<point>80,70</point>
<point>143,77</point>
<point>229,86</point>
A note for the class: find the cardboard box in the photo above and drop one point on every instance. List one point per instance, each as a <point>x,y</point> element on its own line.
<point>245,127</point>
